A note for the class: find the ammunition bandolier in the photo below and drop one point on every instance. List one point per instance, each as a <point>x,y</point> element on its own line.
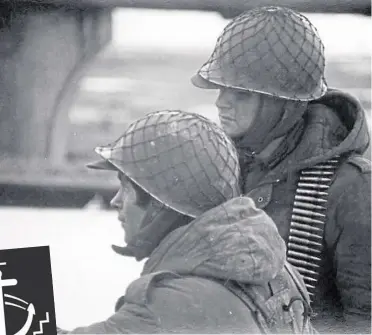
<point>306,233</point>
<point>332,256</point>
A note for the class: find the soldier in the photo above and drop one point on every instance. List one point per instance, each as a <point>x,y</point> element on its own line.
<point>300,149</point>
<point>216,263</point>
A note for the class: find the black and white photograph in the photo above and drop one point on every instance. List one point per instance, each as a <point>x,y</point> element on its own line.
<point>186,166</point>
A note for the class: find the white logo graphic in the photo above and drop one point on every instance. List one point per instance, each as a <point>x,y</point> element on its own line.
<point>19,303</point>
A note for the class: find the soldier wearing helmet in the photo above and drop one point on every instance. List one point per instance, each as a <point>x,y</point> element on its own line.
<point>216,263</point>
<point>300,149</point>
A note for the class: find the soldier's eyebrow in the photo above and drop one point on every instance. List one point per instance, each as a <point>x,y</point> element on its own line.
<point>123,178</point>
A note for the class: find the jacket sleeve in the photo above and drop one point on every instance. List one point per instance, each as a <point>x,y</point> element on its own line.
<point>136,314</point>
<point>167,303</point>
<point>353,251</point>
<point>130,318</point>
<point>150,305</point>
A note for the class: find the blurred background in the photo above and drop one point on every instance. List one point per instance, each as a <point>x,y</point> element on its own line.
<point>73,75</point>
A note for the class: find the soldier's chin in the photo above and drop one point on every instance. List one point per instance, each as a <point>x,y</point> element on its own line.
<point>125,229</point>
<point>122,223</point>
<point>230,128</point>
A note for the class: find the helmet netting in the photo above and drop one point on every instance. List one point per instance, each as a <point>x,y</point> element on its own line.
<point>270,50</point>
<point>183,160</point>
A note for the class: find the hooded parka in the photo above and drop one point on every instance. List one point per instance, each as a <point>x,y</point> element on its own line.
<point>183,287</point>
<point>334,125</point>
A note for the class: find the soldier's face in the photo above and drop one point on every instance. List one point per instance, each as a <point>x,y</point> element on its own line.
<point>237,110</point>
<point>131,204</point>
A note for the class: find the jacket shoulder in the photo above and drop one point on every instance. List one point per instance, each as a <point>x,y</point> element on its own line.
<point>147,289</point>
<point>351,184</point>
<point>361,163</point>
<point>182,304</point>
<point>353,175</point>
<point>139,290</point>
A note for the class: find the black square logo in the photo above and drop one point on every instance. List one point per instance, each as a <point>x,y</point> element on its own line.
<point>26,292</point>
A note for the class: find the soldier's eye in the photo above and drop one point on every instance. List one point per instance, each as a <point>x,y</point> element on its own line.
<point>241,96</point>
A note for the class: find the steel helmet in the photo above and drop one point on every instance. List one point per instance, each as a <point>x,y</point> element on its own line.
<point>183,160</point>
<point>269,50</point>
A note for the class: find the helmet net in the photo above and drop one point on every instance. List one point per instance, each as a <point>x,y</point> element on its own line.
<point>270,50</point>
<point>181,159</point>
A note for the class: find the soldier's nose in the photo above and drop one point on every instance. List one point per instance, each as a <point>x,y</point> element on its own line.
<point>115,201</point>
<point>224,99</point>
